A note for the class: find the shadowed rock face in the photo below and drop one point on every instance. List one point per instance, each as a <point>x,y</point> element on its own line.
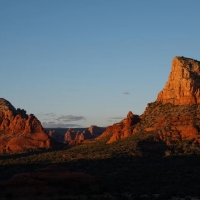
<point>73,137</point>
<point>19,131</point>
<point>183,85</point>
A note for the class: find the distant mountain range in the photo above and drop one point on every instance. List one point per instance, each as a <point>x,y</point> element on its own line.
<point>75,135</point>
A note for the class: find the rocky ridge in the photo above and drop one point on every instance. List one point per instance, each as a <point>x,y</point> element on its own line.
<point>19,131</point>
<point>122,129</point>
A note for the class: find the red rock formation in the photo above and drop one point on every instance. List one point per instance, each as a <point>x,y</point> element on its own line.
<point>75,137</point>
<point>175,115</point>
<point>170,122</point>
<point>176,110</point>
<point>183,86</point>
<point>19,131</point>
<point>122,129</point>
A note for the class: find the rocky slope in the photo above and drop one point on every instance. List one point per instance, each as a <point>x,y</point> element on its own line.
<point>175,115</point>
<point>19,131</point>
<point>73,136</point>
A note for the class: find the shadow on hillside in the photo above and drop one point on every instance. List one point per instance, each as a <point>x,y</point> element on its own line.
<point>29,153</point>
<point>151,148</point>
<point>170,175</point>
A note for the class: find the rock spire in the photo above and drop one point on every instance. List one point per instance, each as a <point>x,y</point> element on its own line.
<point>183,85</point>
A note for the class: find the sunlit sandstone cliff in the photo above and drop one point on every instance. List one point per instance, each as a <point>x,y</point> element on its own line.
<point>175,115</point>
<point>122,129</point>
<point>183,85</point>
<point>19,131</point>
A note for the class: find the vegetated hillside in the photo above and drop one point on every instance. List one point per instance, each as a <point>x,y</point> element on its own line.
<point>134,165</point>
<point>122,167</point>
<point>175,116</point>
<point>172,124</point>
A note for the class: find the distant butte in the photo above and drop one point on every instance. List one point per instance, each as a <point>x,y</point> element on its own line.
<point>74,137</point>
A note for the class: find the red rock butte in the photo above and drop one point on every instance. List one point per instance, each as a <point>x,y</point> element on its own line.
<point>183,85</point>
<point>175,115</point>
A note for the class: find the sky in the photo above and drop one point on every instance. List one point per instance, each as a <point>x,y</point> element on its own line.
<point>76,63</point>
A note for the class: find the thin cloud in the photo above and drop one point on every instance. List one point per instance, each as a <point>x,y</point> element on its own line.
<point>70,118</point>
<point>126,93</point>
<point>50,114</point>
<point>59,125</point>
<point>115,118</point>
<point>51,122</point>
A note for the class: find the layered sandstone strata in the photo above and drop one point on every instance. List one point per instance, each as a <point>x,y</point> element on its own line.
<point>183,85</point>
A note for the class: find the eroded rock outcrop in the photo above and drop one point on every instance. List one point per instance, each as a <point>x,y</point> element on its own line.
<point>122,129</point>
<point>170,123</point>
<point>175,115</point>
<point>19,131</point>
<point>183,86</point>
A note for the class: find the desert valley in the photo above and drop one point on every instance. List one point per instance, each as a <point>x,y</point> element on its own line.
<point>155,155</point>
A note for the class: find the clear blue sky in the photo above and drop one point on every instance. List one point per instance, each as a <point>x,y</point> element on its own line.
<point>82,62</point>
